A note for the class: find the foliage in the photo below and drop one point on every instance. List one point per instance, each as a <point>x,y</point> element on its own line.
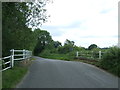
<point>92,46</point>
<point>68,47</point>
<point>11,26</point>
<point>68,42</point>
<point>57,44</point>
<point>44,41</point>
<point>79,48</point>
<point>111,60</point>
<point>95,52</point>
<point>36,14</point>
<point>65,49</point>
<point>47,54</point>
<point>17,17</point>
<point>9,79</point>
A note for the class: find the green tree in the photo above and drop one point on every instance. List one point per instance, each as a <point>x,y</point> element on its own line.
<point>16,17</point>
<point>36,14</point>
<point>68,42</point>
<point>13,23</point>
<point>44,41</point>
<point>92,46</point>
<point>76,48</point>
<point>68,47</point>
<point>57,44</point>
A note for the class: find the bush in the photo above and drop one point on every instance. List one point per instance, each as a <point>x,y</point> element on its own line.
<point>96,52</point>
<point>45,52</point>
<point>71,55</point>
<point>111,60</point>
<point>65,49</point>
<point>54,50</point>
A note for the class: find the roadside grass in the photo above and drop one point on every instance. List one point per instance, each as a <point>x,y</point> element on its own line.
<point>11,77</point>
<point>33,59</point>
<point>113,71</point>
<point>56,56</point>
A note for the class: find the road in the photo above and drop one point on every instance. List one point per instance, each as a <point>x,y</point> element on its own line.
<point>48,73</point>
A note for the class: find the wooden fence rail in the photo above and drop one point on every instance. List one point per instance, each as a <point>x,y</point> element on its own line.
<point>8,62</point>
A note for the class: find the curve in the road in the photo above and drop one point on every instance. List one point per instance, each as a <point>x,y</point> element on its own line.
<point>48,73</point>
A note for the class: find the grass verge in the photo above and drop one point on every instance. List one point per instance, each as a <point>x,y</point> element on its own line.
<point>97,64</point>
<point>56,56</point>
<point>11,77</point>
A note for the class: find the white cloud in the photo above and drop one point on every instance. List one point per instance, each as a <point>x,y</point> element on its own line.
<point>84,21</point>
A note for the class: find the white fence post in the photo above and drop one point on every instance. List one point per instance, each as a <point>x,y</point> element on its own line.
<point>26,53</point>
<point>23,53</point>
<point>12,58</point>
<point>100,55</point>
<point>92,56</point>
<point>77,54</point>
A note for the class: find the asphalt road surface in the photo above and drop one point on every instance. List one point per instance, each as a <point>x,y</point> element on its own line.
<point>48,73</point>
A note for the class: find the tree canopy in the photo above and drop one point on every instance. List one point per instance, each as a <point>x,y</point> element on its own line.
<point>44,41</point>
<point>16,18</point>
<point>92,46</point>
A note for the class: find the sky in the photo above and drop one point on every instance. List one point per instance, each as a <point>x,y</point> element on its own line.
<point>85,22</point>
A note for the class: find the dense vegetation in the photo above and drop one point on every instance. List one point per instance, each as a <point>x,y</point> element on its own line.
<point>111,60</point>
<point>16,34</point>
<point>16,20</point>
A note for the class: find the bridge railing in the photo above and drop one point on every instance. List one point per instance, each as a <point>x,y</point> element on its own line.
<point>16,55</point>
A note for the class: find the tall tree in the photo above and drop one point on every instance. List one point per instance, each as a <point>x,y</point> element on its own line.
<point>44,41</point>
<point>57,44</point>
<point>16,19</point>
<point>68,47</point>
<point>36,14</point>
<point>68,42</point>
<point>92,46</point>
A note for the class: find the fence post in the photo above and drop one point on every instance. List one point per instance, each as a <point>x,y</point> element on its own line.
<point>77,54</point>
<point>92,56</point>
<point>100,55</point>
<point>12,58</point>
<point>30,53</point>
<point>23,53</point>
<point>27,53</point>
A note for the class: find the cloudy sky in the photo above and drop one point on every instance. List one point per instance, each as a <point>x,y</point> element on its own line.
<point>84,21</point>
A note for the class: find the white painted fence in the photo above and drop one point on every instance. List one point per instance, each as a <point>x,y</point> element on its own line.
<point>25,54</point>
<point>90,54</point>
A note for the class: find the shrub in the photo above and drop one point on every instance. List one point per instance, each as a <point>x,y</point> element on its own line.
<point>111,60</point>
<point>65,49</point>
<point>45,52</point>
<point>54,50</point>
